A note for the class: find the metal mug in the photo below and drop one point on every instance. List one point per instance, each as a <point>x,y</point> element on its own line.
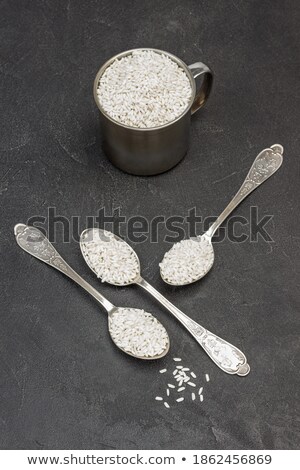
<point>150,151</point>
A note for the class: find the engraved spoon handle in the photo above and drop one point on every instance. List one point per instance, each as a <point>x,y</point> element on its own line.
<point>226,356</point>
<point>265,165</point>
<point>34,242</point>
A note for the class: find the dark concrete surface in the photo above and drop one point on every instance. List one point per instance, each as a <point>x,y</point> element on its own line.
<point>62,382</point>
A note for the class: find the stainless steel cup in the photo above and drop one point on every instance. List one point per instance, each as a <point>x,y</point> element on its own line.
<point>157,149</point>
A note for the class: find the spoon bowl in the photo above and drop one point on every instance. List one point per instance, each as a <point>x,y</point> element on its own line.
<point>158,351</point>
<point>34,242</point>
<point>123,312</point>
<point>109,256</point>
<point>96,238</point>
<point>187,261</point>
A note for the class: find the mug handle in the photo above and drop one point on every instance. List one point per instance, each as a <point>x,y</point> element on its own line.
<point>203,93</point>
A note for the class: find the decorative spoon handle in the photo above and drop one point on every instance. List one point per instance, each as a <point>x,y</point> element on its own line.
<point>33,241</point>
<point>265,165</point>
<point>229,358</point>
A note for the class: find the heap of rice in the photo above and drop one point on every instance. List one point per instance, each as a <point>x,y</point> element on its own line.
<point>138,332</point>
<point>187,261</point>
<point>112,260</point>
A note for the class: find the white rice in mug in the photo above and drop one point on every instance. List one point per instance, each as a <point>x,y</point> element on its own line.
<point>144,89</point>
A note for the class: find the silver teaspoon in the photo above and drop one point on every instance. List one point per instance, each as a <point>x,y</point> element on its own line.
<point>115,262</point>
<point>120,319</point>
<point>190,260</point>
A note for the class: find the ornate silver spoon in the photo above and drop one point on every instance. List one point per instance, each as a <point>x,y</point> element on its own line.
<point>190,260</point>
<point>152,344</point>
<point>115,262</point>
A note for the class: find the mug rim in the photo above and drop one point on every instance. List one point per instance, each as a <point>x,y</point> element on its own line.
<point>129,52</point>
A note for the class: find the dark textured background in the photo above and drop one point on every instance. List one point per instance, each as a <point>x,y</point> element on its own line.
<point>62,382</point>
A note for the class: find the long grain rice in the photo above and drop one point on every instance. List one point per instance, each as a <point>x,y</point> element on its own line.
<point>112,260</point>
<point>187,261</point>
